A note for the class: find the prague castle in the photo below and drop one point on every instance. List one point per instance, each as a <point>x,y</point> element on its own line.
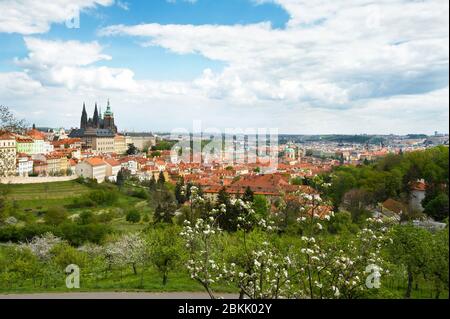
<point>105,122</point>
<point>97,133</point>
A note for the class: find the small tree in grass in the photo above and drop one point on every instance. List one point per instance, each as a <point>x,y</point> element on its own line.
<point>166,250</point>
<point>130,249</point>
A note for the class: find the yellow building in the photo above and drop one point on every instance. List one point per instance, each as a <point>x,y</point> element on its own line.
<point>57,164</point>
<point>120,144</point>
<point>102,144</point>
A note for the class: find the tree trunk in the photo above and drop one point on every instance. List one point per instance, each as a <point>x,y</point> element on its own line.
<point>164,279</point>
<point>134,269</point>
<point>410,282</point>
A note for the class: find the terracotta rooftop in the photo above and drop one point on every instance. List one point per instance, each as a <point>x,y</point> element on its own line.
<point>95,161</point>
<point>35,134</point>
<point>418,186</point>
<point>394,206</point>
<point>6,136</point>
<point>112,162</point>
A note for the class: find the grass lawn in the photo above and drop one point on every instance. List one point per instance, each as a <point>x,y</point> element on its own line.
<point>118,282</point>
<point>38,198</point>
<point>44,191</point>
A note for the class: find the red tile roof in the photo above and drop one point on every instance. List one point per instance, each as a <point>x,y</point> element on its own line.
<point>112,162</point>
<point>418,186</point>
<point>95,161</point>
<point>35,134</point>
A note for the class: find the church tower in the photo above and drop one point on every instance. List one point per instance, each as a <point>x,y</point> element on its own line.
<point>84,119</point>
<point>96,118</point>
<point>108,119</point>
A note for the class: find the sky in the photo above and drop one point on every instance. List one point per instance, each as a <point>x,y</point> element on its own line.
<point>301,66</point>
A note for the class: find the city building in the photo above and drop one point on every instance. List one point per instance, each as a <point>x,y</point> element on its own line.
<point>7,154</point>
<point>112,169</point>
<point>24,145</point>
<point>57,163</point>
<point>93,168</point>
<point>24,165</point>
<point>120,144</point>
<point>97,133</point>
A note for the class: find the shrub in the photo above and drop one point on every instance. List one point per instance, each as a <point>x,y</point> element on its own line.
<point>77,235</point>
<point>140,193</point>
<point>55,216</point>
<point>133,216</point>
<point>103,197</point>
<point>87,217</point>
<point>82,202</point>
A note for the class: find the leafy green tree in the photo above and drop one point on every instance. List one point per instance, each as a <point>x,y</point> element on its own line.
<point>64,255</point>
<point>342,182</point>
<point>166,250</point>
<point>438,207</point>
<point>132,149</point>
<point>355,201</point>
<point>438,266</point>
<point>411,248</point>
<point>261,206</point>
<point>342,223</point>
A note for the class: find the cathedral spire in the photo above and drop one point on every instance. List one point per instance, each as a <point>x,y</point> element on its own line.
<point>96,117</point>
<point>84,119</point>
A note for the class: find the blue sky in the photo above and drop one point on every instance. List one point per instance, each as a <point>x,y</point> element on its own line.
<point>353,66</point>
<point>156,63</point>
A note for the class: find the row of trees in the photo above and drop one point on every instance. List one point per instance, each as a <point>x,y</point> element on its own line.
<point>41,261</point>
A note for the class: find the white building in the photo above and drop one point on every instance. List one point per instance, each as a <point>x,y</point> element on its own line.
<point>113,168</point>
<point>93,168</point>
<point>7,154</point>
<point>24,165</point>
<point>131,165</point>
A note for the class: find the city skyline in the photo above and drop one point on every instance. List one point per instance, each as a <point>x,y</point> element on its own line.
<point>350,67</point>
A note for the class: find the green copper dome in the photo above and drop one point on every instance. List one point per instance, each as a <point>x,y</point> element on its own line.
<point>108,111</point>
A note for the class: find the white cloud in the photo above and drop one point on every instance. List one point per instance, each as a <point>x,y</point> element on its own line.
<point>31,17</point>
<point>337,67</point>
<point>331,55</point>
<point>46,53</point>
<point>72,64</point>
